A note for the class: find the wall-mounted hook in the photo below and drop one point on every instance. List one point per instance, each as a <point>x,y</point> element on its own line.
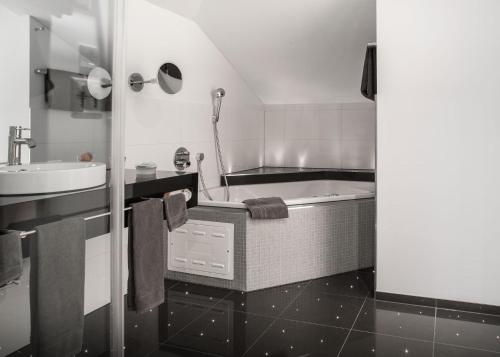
<point>136,82</point>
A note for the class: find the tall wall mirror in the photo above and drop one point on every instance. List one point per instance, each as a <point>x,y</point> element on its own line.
<point>51,50</point>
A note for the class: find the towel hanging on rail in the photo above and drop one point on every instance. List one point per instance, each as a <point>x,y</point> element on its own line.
<point>369,78</point>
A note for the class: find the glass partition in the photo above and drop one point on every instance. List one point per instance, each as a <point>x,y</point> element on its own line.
<point>60,249</point>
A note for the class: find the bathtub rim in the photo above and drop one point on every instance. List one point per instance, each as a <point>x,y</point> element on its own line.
<point>293,202</point>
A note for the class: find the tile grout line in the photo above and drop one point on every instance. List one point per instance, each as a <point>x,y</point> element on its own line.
<point>437,307</point>
<point>352,326</point>
<point>209,308</point>
<point>394,336</point>
<point>468,312</point>
<point>276,319</point>
<point>434,336</point>
<point>468,347</point>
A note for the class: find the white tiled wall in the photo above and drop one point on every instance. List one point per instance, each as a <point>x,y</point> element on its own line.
<point>320,135</point>
<point>164,126</point>
<point>158,123</point>
<point>61,136</point>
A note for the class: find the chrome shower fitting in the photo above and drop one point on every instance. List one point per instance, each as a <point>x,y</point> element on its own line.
<point>199,158</point>
<point>219,94</point>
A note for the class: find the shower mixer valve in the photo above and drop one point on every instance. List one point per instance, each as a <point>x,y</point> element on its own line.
<point>182,159</point>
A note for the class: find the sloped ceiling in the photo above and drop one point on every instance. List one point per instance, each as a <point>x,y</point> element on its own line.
<point>289,51</point>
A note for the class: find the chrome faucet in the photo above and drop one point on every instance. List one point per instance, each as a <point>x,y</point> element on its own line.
<point>16,140</point>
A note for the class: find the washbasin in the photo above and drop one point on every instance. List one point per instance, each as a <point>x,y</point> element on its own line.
<point>50,177</point>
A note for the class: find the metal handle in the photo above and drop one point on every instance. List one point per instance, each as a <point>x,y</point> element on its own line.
<point>136,82</point>
<point>181,159</point>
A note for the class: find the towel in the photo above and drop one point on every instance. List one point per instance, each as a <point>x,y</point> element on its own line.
<point>175,210</point>
<point>369,79</point>
<point>57,279</point>
<point>267,208</point>
<point>11,257</point>
<point>145,256</point>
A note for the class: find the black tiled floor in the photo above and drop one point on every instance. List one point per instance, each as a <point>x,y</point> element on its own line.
<point>200,294</point>
<point>468,329</point>
<point>452,351</point>
<point>170,351</point>
<point>293,338</point>
<point>396,319</point>
<point>360,344</point>
<point>222,331</point>
<point>358,283</point>
<point>314,318</point>
<point>177,314</point>
<point>269,302</point>
<point>325,309</point>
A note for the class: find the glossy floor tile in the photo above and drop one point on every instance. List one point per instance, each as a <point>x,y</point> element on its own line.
<point>325,309</point>
<point>360,344</point>
<point>293,338</point>
<point>358,283</point>
<point>452,351</point>
<point>222,331</point>
<point>177,314</point>
<point>195,293</point>
<point>171,351</point>
<point>396,319</point>
<point>468,329</point>
<point>269,302</point>
<point>314,318</point>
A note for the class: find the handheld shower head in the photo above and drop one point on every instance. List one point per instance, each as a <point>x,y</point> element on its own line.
<point>220,92</point>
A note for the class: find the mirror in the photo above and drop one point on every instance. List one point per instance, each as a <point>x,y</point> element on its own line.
<point>170,78</point>
<point>58,46</point>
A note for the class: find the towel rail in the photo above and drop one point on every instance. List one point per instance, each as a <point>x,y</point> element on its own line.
<point>28,233</point>
<point>186,192</point>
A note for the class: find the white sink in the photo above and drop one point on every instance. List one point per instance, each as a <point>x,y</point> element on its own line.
<point>50,177</point>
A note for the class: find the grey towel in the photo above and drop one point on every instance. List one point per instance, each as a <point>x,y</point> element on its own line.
<point>175,210</point>
<point>11,257</point>
<point>145,256</point>
<point>57,280</point>
<point>267,208</point>
<point>369,79</point>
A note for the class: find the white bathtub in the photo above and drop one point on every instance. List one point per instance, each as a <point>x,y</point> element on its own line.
<point>293,193</point>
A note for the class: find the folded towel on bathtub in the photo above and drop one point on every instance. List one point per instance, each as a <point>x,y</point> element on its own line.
<point>267,208</point>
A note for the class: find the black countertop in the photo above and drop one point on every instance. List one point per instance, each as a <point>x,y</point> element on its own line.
<point>26,212</point>
<point>268,174</point>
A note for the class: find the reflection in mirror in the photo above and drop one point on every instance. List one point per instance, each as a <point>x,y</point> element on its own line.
<point>54,46</point>
<point>170,78</point>
<point>50,121</point>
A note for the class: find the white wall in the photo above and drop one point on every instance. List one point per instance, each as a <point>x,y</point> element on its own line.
<point>14,62</point>
<point>293,51</point>
<point>321,135</point>
<point>438,149</point>
<point>158,123</point>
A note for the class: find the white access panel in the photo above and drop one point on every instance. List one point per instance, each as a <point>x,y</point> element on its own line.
<point>202,248</point>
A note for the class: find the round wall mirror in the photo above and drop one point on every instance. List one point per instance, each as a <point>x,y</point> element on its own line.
<point>170,78</point>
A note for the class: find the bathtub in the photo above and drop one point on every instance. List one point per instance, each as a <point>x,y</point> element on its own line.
<point>293,193</point>
<point>330,230</point>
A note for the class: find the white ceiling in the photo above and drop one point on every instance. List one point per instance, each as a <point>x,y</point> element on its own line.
<point>289,51</point>
<point>294,51</point>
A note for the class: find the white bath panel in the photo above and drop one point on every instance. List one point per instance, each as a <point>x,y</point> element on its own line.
<point>202,248</point>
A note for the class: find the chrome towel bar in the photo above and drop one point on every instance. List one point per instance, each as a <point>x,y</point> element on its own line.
<point>186,192</point>
<point>27,233</point>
